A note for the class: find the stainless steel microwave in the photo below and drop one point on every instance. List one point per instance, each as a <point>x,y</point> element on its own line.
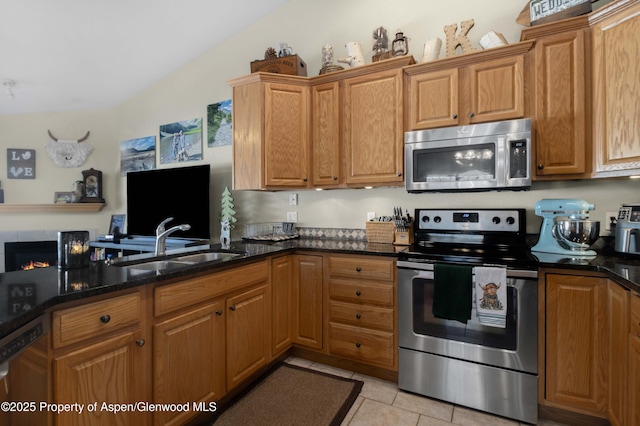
<point>479,157</point>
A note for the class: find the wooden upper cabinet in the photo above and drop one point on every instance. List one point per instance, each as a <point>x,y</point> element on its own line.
<point>478,87</point>
<point>270,132</point>
<point>497,89</point>
<point>560,97</point>
<point>616,89</point>
<point>433,99</point>
<point>372,128</point>
<point>286,135</point>
<point>325,134</point>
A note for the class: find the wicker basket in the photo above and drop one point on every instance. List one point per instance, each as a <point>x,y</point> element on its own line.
<point>380,232</point>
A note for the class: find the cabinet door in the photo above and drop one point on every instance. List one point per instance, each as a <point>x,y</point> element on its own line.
<point>373,132</point>
<point>634,380</point>
<point>576,355</point>
<point>618,330</point>
<point>616,85</point>
<point>286,135</point>
<point>433,99</point>
<point>325,134</point>
<point>188,354</point>
<point>496,90</point>
<point>248,324</point>
<point>307,301</point>
<point>561,137</point>
<point>108,372</point>
<point>282,283</point>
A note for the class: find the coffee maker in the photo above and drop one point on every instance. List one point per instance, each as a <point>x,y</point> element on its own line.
<point>628,229</point>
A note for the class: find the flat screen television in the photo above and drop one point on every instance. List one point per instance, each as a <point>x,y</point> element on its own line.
<point>181,193</point>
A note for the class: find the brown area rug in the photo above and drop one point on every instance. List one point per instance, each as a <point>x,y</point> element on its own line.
<point>292,395</point>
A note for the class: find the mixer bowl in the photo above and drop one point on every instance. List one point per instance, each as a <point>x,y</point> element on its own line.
<point>574,234</point>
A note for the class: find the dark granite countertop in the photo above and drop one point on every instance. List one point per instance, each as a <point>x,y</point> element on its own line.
<point>25,295</point>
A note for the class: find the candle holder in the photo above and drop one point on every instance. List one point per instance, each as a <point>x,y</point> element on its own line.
<point>73,249</point>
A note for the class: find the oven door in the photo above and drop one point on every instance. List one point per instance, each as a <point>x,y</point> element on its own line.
<point>513,347</point>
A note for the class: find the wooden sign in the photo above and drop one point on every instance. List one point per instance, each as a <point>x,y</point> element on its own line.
<point>21,163</point>
<point>543,11</point>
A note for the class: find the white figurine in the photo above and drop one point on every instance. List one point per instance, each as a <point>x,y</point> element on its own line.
<point>355,58</point>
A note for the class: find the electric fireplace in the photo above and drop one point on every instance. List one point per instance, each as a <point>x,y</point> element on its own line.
<point>23,255</point>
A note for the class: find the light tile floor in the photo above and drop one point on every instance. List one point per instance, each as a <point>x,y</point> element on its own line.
<point>382,403</point>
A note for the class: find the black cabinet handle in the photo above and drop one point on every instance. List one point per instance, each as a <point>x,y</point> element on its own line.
<point>358,316</point>
<point>358,293</point>
<point>358,269</point>
<point>140,342</point>
<point>471,115</point>
<point>540,166</point>
<point>219,312</point>
<point>358,344</point>
<point>232,308</point>
<point>335,178</point>
<point>105,319</point>
<point>454,116</point>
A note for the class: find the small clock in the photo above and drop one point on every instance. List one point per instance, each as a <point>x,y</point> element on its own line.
<point>92,192</point>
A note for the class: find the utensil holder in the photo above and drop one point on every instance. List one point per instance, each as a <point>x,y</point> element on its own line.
<point>404,238</point>
<point>380,232</point>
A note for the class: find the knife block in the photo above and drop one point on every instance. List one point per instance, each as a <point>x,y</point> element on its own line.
<point>404,238</point>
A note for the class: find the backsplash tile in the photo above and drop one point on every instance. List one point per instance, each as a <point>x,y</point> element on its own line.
<point>333,234</point>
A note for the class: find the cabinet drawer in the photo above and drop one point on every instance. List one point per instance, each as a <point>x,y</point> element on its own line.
<point>635,314</point>
<point>370,346</point>
<point>362,268</point>
<point>362,292</point>
<point>361,315</point>
<point>171,297</point>
<point>79,323</point>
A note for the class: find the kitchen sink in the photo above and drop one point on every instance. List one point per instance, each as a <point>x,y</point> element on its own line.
<point>206,257</point>
<point>180,262</point>
<point>158,265</point>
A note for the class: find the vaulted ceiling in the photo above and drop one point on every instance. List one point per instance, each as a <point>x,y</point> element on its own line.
<point>83,54</point>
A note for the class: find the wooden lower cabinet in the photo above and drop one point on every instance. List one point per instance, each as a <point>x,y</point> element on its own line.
<point>188,355</point>
<point>307,301</point>
<point>575,327</point>
<point>618,331</point>
<point>247,341</point>
<point>282,282</point>
<point>633,373</point>
<point>362,318</point>
<point>100,356</point>
<point>109,371</point>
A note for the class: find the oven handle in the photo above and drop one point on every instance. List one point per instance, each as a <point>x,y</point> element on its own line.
<point>425,270</point>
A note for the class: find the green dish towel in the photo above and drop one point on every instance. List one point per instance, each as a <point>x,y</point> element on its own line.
<point>452,292</point>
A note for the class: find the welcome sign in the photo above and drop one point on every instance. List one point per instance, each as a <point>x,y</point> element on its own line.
<point>543,11</point>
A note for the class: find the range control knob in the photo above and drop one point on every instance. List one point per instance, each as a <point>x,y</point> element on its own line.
<point>511,220</point>
<point>425,219</point>
<point>496,220</point>
<point>437,219</point>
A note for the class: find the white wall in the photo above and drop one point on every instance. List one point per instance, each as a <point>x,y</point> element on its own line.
<point>305,25</point>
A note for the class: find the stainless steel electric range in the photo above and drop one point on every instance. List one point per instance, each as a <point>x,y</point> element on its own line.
<point>488,359</point>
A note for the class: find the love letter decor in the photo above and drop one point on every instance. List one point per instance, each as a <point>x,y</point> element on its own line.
<point>21,163</point>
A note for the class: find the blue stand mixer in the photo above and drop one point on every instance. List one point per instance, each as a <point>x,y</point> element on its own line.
<point>566,228</point>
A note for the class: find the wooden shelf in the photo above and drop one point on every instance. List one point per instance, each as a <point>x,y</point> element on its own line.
<point>52,208</point>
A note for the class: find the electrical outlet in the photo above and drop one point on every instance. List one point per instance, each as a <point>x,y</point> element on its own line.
<point>371,215</point>
<point>607,220</point>
<point>292,217</point>
<point>293,199</point>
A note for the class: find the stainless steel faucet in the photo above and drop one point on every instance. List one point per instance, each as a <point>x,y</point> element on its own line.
<point>161,235</point>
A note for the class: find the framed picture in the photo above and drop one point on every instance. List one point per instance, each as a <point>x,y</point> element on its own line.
<point>62,197</point>
<point>219,128</point>
<point>117,224</point>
